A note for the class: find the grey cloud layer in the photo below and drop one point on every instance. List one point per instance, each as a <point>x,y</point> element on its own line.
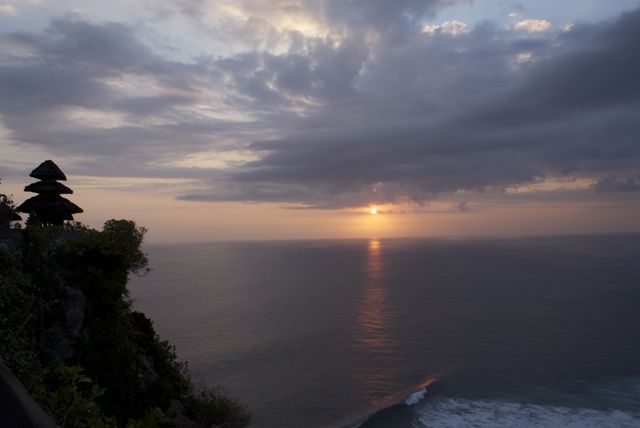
<point>381,112</point>
<point>448,114</point>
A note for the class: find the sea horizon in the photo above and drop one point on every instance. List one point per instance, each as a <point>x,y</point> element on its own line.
<point>153,243</point>
<point>324,333</point>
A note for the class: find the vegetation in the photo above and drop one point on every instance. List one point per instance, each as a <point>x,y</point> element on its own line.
<point>69,333</point>
<point>7,209</point>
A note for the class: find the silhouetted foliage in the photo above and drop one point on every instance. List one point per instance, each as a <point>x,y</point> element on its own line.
<point>213,407</point>
<point>8,209</point>
<point>120,372</point>
<point>127,238</point>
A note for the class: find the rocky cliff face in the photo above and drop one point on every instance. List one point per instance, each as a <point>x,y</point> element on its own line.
<point>68,330</point>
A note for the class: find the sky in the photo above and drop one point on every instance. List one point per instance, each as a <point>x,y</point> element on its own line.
<point>289,119</point>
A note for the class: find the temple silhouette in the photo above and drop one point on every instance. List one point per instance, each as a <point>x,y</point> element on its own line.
<point>48,207</point>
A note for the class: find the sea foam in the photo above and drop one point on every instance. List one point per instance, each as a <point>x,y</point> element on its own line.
<point>461,413</point>
<point>416,397</point>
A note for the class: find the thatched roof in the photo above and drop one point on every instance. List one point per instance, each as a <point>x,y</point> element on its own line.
<point>48,187</point>
<point>48,171</point>
<point>48,207</point>
<point>44,204</point>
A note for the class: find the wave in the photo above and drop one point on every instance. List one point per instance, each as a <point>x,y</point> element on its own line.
<point>463,413</point>
<point>399,415</point>
<point>438,409</point>
<point>416,397</point>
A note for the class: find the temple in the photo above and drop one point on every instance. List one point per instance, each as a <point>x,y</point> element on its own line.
<point>48,207</point>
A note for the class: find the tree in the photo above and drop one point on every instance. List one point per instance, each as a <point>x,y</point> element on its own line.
<point>127,237</point>
<point>8,211</point>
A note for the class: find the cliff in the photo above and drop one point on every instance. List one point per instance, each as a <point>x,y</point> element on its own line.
<point>69,333</point>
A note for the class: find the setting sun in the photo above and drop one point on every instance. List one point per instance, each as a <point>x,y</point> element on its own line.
<point>373,211</point>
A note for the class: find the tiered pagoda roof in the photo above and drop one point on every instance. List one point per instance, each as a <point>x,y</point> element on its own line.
<point>48,207</point>
<point>48,187</point>
<point>48,171</point>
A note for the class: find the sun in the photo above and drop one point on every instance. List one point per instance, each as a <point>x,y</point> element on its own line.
<point>373,211</point>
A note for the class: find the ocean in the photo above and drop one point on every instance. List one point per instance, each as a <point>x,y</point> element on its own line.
<point>526,332</point>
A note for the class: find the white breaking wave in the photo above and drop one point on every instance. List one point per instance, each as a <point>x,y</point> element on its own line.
<point>416,397</point>
<point>459,413</point>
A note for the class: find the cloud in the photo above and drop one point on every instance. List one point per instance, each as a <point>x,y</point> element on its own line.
<point>617,184</point>
<point>533,25</point>
<point>455,28</point>
<point>413,137</point>
<point>515,9</point>
<point>380,14</point>
<point>8,9</point>
<point>358,107</point>
<point>95,90</point>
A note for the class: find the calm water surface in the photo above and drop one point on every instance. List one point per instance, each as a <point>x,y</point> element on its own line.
<point>322,333</point>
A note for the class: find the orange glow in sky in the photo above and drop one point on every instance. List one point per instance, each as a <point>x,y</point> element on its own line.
<point>172,220</point>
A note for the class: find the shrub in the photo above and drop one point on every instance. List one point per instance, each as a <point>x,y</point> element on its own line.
<point>213,407</point>
<point>120,373</point>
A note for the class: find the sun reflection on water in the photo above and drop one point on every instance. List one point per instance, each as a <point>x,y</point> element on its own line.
<point>372,333</point>
<point>372,317</point>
